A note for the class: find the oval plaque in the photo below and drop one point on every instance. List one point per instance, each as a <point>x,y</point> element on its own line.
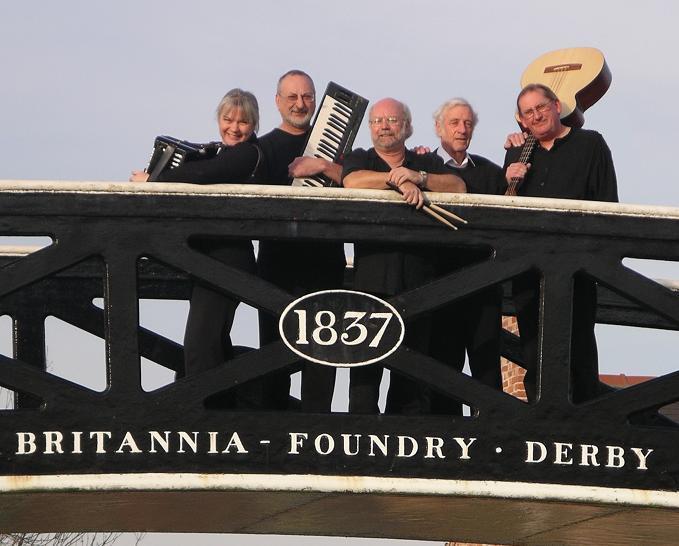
<point>341,328</point>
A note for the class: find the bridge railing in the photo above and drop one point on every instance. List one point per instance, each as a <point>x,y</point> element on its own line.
<point>123,242</point>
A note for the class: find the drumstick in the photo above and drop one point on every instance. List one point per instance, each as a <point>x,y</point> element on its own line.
<point>446,212</point>
<point>433,210</point>
<point>438,217</point>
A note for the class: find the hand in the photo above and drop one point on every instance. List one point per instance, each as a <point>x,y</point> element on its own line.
<point>419,150</point>
<point>517,170</point>
<point>401,175</point>
<point>514,140</point>
<point>139,176</point>
<point>306,166</point>
<point>412,194</point>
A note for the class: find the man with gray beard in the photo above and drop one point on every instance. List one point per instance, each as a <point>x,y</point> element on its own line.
<point>298,267</point>
<point>388,269</point>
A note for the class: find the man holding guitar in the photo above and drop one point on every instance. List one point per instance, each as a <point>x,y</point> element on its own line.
<point>567,163</point>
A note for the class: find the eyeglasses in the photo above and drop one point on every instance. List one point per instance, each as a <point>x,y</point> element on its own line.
<point>539,109</point>
<point>391,120</point>
<point>307,98</point>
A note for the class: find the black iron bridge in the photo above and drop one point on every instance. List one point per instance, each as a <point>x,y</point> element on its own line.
<point>72,458</point>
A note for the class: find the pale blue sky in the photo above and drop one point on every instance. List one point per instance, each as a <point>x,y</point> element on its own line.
<point>88,85</point>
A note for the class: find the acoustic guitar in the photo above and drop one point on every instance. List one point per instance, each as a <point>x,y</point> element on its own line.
<point>579,76</point>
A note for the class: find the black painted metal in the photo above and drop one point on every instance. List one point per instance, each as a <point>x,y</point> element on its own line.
<point>102,237</point>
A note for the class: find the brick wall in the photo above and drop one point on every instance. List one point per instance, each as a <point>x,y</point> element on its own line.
<point>512,375</point>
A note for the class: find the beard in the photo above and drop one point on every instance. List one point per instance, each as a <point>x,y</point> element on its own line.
<point>300,122</point>
<point>392,140</point>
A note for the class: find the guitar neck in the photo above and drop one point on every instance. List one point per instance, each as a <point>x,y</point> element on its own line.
<point>526,152</point>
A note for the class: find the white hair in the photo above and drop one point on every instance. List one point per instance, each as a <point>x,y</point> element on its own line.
<point>452,103</point>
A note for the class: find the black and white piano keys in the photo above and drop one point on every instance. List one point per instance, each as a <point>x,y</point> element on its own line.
<point>334,129</point>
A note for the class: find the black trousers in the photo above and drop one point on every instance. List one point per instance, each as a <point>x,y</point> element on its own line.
<point>385,270</point>
<point>207,339</point>
<point>472,325</point>
<point>405,396</point>
<point>298,268</point>
<point>584,354</point>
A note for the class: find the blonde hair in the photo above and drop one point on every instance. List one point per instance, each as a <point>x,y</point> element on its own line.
<point>245,101</point>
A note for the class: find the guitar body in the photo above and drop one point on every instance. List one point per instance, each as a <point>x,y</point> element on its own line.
<point>579,76</point>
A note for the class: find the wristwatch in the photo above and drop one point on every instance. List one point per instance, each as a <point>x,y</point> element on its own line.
<point>423,182</point>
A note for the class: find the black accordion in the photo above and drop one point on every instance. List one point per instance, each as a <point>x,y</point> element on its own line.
<point>169,152</point>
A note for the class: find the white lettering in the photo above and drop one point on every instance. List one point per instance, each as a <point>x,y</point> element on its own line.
<point>402,446</point>
<point>25,443</point>
<point>642,457</point>
<point>562,453</point>
<point>329,442</point>
<point>301,320</point>
<point>77,437</point>
<point>530,452</point>
<point>381,444</point>
<point>347,447</point>
<point>163,442</point>
<point>616,457</point>
<point>100,435</point>
<point>192,442</point>
<point>434,443</point>
<point>213,443</point>
<point>296,441</point>
<point>362,334</point>
<point>316,333</point>
<point>378,337</point>
<point>128,442</point>
<point>236,442</point>
<point>53,439</point>
<point>588,455</point>
<point>465,446</point>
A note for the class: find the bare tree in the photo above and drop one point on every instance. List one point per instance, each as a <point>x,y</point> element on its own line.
<point>62,539</point>
<point>7,399</point>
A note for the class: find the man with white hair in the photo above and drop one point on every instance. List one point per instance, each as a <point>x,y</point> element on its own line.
<point>388,269</point>
<point>455,121</point>
<point>471,325</point>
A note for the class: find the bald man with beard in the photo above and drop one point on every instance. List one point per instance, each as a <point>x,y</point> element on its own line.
<point>388,269</point>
